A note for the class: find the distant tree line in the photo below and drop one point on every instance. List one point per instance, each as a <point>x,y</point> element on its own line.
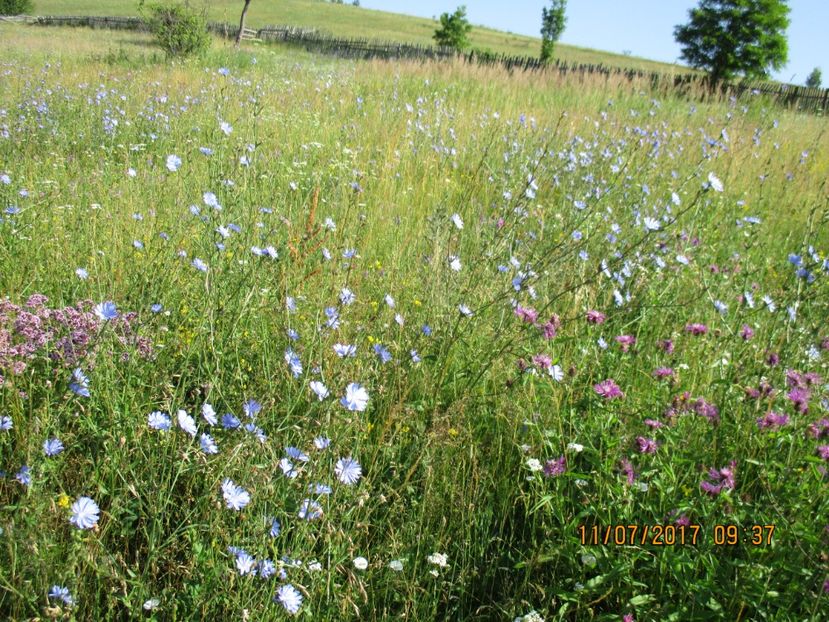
<point>725,38</point>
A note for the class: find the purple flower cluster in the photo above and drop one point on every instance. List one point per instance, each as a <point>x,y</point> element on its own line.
<point>772,420</point>
<point>608,389</point>
<point>555,467</point>
<point>65,335</point>
<point>720,479</point>
<point>684,403</point>
<point>548,329</point>
<point>800,389</point>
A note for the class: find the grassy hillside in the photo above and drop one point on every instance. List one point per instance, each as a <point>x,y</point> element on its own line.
<point>350,21</point>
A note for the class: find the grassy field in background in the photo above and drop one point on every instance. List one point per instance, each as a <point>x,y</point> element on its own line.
<point>349,21</point>
<point>572,303</point>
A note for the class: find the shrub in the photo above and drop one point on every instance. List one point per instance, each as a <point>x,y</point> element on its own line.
<point>454,30</point>
<point>16,7</point>
<point>815,78</point>
<point>178,30</point>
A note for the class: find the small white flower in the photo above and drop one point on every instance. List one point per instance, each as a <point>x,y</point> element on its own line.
<point>355,398</point>
<point>289,597</point>
<point>152,604</point>
<point>186,423</point>
<point>348,471</point>
<point>245,564</point>
<point>578,448</point>
<point>173,163</point>
<point>715,183</point>
<point>320,389</point>
<point>360,563</point>
<point>455,263</point>
<point>347,297</point>
<point>457,221</point>
<point>651,224</point>
<point>534,464</point>
<point>438,559</point>
<point>209,414</point>
<point>84,513</point>
<point>556,373</point>
<point>396,565</point>
<point>235,496</point>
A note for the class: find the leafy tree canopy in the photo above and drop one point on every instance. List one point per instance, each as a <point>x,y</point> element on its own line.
<point>728,38</point>
<point>454,30</point>
<point>553,21</point>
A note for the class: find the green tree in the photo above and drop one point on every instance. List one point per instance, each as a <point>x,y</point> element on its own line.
<point>177,29</point>
<point>728,38</point>
<point>454,30</point>
<point>16,7</point>
<point>815,79</point>
<point>553,21</point>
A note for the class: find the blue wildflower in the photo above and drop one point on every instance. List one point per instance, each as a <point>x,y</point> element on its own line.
<point>61,593</point>
<point>81,384</point>
<point>208,445</point>
<point>23,476</point>
<point>294,364</point>
<point>230,422</point>
<point>159,421</point>
<point>251,408</point>
<point>52,446</point>
<point>106,311</point>
<point>173,163</point>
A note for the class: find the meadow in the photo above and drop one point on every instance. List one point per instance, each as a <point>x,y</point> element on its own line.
<point>287,337</point>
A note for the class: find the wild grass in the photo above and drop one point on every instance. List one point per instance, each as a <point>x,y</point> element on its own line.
<point>573,196</point>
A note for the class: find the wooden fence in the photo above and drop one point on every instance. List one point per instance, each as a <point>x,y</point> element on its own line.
<point>813,100</point>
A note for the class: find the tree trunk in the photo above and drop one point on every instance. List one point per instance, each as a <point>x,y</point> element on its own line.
<point>242,23</point>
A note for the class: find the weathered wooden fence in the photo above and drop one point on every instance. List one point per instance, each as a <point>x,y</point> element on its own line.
<point>802,98</point>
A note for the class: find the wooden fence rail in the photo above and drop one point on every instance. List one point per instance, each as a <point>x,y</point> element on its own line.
<point>813,100</point>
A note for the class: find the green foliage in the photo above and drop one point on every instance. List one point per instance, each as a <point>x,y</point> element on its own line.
<point>553,21</point>
<point>729,38</point>
<point>177,29</point>
<point>16,7</point>
<point>454,30</point>
<point>815,79</point>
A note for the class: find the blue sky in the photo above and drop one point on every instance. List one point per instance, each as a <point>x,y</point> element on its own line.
<point>644,27</point>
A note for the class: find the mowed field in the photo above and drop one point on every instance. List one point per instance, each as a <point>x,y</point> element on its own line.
<point>345,20</point>
<point>286,337</point>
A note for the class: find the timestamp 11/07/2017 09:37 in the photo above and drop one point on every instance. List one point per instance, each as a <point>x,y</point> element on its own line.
<point>673,535</point>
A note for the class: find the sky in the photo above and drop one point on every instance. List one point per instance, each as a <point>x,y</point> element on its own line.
<point>642,27</point>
